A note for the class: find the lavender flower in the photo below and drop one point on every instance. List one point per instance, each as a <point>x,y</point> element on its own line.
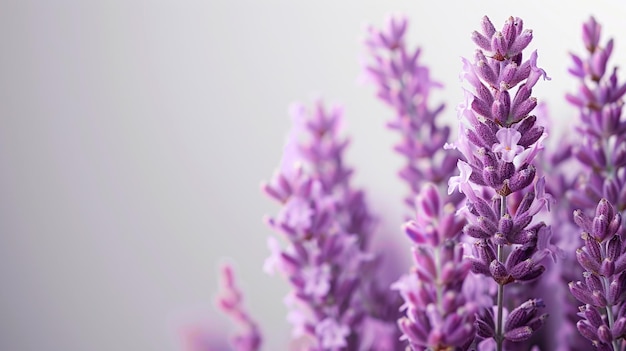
<point>500,141</point>
<point>438,314</point>
<point>600,149</point>
<point>603,291</point>
<point>230,301</point>
<point>404,84</point>
<point>327,226</point>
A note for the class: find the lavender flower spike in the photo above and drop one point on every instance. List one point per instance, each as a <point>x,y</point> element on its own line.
<point>600,102</point>
<point>500,141</point>
<point>404,84</point>
<point>327,227</point>
<point>438,314</point>
<point>603,291</point>
<point>230,301</point>
<point>600,149</point>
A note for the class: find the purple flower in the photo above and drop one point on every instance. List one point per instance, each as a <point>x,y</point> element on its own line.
<point>405,85</point>
<point>296,214</point>
<point>507,146</point>
<point>438,314</point>
<point>599,100</point>
<point>332,334</point>
<point>599,173</point>
<point>327,228</point>
<point>273,262</point>
<point>230,301</point>
<point>603,291</point>
<point>501,139</point>
<point>317,280</point>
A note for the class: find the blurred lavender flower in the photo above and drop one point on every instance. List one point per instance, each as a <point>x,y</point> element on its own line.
<point>603,291</point>
<point>404,84</point>
<point>230,301</point>
<point>600,150</point>
<point>335,298</point>
<point>500,141</point>
<point>439,316</point>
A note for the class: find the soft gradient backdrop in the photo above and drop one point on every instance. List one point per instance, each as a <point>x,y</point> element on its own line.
<point>134,136</point>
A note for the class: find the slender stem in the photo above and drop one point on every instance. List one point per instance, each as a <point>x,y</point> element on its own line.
<point>500,298</point>
<point>611,319</point>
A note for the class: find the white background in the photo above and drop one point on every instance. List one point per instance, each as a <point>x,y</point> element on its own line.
<point>134,136</point>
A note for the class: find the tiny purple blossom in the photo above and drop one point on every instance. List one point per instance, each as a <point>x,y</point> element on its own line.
<point>272,262</point>
<point>529,155</point>
<point>542,198</point>
<point>508,138</point>
<point>535,72</point>
<point>327,225</point>
<point>296,318</point>
<point>296,213</point>
<point>230,301</point>
<point>468,72</point>
<point>502,140</point>
<point>332,334</point>
<point>406,286</point>
<point>460,180</point>
<point>317,280</point>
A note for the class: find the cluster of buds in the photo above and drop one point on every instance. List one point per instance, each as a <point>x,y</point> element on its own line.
<point>600,152</point>
<point>500,141</point>
<point>603,292</point>
<point>439,315</point>
<point>323,153</point>
<point>521,323</point>
<point>326,224</point>
<point>404,84</point>
<point>602,149</point>
<point>525,259</point>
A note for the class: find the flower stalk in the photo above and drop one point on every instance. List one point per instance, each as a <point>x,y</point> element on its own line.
<point>405,85</point>
<point>500,140</point>
<point>335,301</point>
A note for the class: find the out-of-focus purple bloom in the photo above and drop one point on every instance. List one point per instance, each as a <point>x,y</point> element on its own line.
<point>600,103</point>
<point>507,144</point>
<point>231,302</point>
<point>535,72</point>
<point>327,227</point>
<point>404,84</point>
<point>333,335</point>
<point>461,180</point>
<point>598,148</point>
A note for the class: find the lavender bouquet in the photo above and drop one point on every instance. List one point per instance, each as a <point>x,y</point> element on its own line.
<point>516,245</point>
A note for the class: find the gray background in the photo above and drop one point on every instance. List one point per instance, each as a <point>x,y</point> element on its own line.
<point>134,136</point>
